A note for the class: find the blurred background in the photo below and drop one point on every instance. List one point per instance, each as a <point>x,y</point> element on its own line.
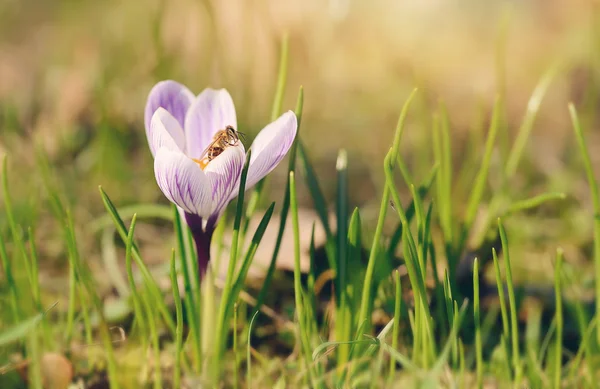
<point>74,77</point>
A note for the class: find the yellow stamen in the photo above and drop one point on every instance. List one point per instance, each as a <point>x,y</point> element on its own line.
<point>202,163</point>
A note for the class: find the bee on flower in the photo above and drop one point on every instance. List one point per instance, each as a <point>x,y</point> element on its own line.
<point>199,156</point>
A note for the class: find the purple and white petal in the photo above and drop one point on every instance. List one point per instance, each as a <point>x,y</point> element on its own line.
<point>270,146</point>
<point>183,182</point>
<point>224,173</point>
<point>173,97</point>
<point>165,131</point>
<point>211,111</point>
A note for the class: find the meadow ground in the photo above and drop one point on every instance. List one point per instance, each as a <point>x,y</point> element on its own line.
<point>432,133</point>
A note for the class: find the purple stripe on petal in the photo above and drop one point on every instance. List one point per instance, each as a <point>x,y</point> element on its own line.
<point>165,131</point>
<point>173,97</point>
<point>183,182</point>
<point>211,111</point>
<point>270,146</point>
<point>224,175</point>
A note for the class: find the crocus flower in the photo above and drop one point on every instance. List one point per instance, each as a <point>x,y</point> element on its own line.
<point>179,127</point>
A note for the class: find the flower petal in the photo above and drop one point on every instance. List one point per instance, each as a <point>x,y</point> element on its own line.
<point>270,146</point>
<point>213,110</point>
<point>165,131</point>
<point>173,97</point>
<point>224,173</point>
<point>183,182</point>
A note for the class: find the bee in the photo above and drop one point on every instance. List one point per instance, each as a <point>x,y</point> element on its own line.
<point>221,140</point>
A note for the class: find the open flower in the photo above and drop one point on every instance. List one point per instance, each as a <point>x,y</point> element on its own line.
<point>180,127</point>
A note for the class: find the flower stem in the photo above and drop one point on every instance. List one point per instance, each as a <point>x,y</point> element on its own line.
<point>202,237</point>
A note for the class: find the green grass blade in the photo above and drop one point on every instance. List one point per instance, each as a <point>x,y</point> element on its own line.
<point>303,329</point>
<point>284,209</point>
<point>367,300</point>
<point>256,195</point>
<point>396,326</point>
<point>180,234</point>
<point>222,322</point>
<point>558,318</point>
<point>83,274</point>
<point>191,284</point>
<point>135,295</point>
<point>342,225</point>
<point>501,298</point>
<point>149,211</point>
<point>533,107</point>
<point>477,319</point>
<point>344,321</point>
<point>179,321</point>
<point>587,162</point>
<point>443,358</point>
<point>482,175</point>
<point>400,125</point>
<point>10,280</point>
<point>256,239</point>
<point>249,354</point>
<point>423,191</point>
<point>151,283</point>
<point>315,191</point>
<point>15,232</point>
<point>22,329</point>
<point>514,333</point>
<point>281,78</point>
<point>534,202</point>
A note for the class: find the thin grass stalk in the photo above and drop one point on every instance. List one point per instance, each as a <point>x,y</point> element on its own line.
<point>10,280</point>
<point>477,319</point>
<point>502,299</point>
<point>514,333</point>
<point>256,195</point>
<point>249,354</point>
<point>559,318</point>
<point>72,296</point>
<point>179,321</point>
<point>236,362</point>
<point>482,175</point>
<point>34,371</point>
<point>193,306</point>
<point>284,208</point>
<point>303,331</point>
<point>147,276</point>
<point>150,316</point>
<point>396,326</point>
<point>595,194</point>
<point>366,301</point>
<point>84,275</point>
<point>18,240</point>
<point>135,295</point>
<point>533,106</point>
<point>344,319</point>
<point>222,317</point>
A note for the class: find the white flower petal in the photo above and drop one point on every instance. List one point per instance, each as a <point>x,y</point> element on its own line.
<point>270,146</point>
<point>165,131</point>
<point>183,182</point>
<point>211,111</point>
<point>224,173</point>
<point>170,95</point>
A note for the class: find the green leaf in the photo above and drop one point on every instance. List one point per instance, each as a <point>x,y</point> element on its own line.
<point>151,283</point>
<point>284,208</point>
<point>20,330</point>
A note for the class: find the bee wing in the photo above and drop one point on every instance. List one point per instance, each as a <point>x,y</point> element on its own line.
<point>207,149</point>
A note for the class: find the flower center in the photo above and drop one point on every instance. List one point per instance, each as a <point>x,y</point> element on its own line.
<point>203,163</point>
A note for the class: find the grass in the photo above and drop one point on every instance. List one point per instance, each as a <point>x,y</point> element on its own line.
<point>402,297</point>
